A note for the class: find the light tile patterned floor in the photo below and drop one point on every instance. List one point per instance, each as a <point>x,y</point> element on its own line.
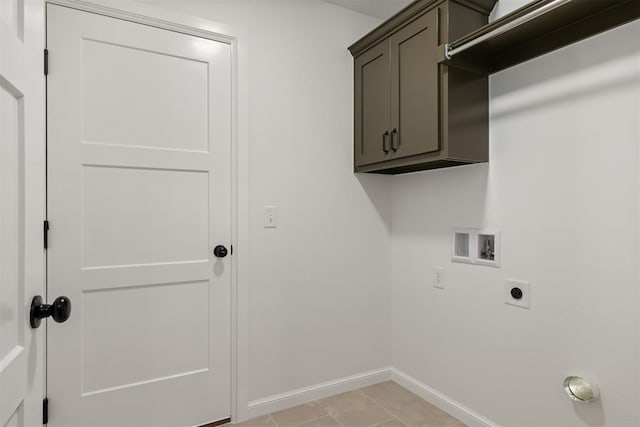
<point>382,405</point>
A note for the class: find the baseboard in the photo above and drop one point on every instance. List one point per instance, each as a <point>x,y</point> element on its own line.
<point>300,396</point>
<point>450,406</point>
<point>304,395</point>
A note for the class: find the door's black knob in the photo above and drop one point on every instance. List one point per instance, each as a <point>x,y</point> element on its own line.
<point>220,251</point>
<point>60,310</point>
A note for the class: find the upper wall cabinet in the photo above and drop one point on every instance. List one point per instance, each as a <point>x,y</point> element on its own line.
<point>412,112</point>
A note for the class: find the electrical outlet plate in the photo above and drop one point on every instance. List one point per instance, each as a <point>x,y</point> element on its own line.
<point>438,277</point>
<point>525,287</point>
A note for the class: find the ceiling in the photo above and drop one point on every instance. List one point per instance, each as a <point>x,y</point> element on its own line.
<point>382,9</point>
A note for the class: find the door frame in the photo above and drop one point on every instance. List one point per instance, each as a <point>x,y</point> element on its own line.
<point>172,21</point>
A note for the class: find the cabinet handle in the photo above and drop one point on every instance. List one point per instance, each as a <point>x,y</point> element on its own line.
<point>385,140</point>
<point>394,140</point>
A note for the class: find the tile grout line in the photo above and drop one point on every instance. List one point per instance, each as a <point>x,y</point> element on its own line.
<point>458,423</point>
<point>313,419</point>
<point>331,414</point>
<point>395,415</point>
<point>337,420</point>
<point>328,413</point>
<point>319,402</point>
<point>366,397</point>
<point>306,421</point>
<point>273,421</point>
<point>383,422</point>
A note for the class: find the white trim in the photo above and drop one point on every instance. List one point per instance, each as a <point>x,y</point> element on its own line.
<point>149,15</point>
<point>33,194</point>
<point>304,395</point>
<point>450,406</point>
<point>240,214</point>
<point>165,19</point>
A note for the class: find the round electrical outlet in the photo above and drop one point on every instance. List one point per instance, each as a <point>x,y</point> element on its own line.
<point>516,293</point>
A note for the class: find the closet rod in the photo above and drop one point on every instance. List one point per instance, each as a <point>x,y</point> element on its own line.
<point>450,49</point>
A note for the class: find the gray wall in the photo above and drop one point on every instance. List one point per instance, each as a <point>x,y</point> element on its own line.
<point>562,185</point>
<point>319,306</point>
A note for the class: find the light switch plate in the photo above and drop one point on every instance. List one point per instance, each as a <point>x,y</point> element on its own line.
<point>270,216</point>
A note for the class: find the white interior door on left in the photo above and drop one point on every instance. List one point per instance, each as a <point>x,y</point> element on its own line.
<point>21,209</point>
<point>139,187</point>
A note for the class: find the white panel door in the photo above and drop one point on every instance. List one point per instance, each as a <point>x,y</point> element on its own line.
<point>139,134</point>
<point>21,263</point>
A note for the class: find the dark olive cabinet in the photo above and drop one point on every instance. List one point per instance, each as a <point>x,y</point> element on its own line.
<point>374,106</point>
<point>411,111</point>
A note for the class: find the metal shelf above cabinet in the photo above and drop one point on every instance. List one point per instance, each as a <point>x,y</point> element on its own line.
<point>535,29</point>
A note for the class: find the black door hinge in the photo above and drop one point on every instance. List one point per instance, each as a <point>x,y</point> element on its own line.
<point>45,411</point>
<point>231,249</point>
<point>46,62</point>
<point>45,229</point>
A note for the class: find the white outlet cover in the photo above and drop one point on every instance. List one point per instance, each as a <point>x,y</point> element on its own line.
<point>525,287</point>
<point>438,277</point>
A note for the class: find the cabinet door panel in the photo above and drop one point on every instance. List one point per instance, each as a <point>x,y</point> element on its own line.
<point>414,86</point>
<point>372,104</point>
